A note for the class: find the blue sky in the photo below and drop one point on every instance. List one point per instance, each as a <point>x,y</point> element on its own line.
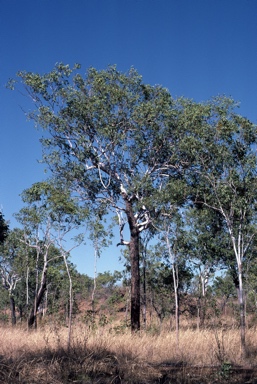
<point>195,48</point>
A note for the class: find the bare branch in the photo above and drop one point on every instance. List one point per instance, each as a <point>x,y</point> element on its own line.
<point>122,223</point>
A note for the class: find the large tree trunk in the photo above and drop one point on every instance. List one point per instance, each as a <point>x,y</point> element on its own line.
<point>135,271</point>
<point>135,282</point>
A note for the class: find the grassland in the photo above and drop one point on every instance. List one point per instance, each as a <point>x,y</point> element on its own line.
<point>105,355</point>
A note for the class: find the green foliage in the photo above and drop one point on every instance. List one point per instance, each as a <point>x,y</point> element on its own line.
<point>4,318</point>
<point>4,229</point>
<point>221,150</point>
<point>89,319</point>
<point>116,298</point>
<point>225,370</point>
<point>223,286</point>
<point>50,200</point>
<point>103,320</point>
<point>120,329</point>
<point>107,130</point>
<point>107,279</point>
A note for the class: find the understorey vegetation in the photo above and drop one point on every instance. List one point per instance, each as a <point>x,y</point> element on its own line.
<point>107,356</point>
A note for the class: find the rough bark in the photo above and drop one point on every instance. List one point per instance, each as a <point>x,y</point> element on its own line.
<point>135,272</point>
<point>12,308</point>
<point>135,282</point>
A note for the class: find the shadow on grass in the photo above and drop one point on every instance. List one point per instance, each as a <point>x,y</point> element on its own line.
<point>78,365</point>
<point>98,365</point>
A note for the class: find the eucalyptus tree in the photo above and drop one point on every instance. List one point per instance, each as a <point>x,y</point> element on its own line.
<point>114,140</point>
<point>48,218</point>
<point>222,147</point>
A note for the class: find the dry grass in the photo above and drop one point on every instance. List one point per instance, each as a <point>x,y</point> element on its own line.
<point>103,356</point>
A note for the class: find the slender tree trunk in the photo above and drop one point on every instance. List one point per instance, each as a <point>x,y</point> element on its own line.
<point>27,287</point>
<point>12,308</point>
<point>173,258</point>
<point>238,249</point>
<point>203,283</point>
<point>151,308</point>
<point>198,318</point>
<point>242,311</point>
<point>46,301</point>
<point>128,299</point>
<point>94,287</point>
<point>20,312</point>
<point>175,283</point>
<point>199,305</point>
<point>245,308</point>
<point>70,309</point>
<point>38,299</point>
<point>144,292</point>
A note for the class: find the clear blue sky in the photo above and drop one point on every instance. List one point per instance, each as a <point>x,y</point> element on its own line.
<point>195,48</point>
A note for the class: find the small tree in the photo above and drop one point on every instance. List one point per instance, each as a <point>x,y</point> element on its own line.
<point>207,244</point>
<point>50,215</point>
<point>224,289</point>
<point>172,234</point>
